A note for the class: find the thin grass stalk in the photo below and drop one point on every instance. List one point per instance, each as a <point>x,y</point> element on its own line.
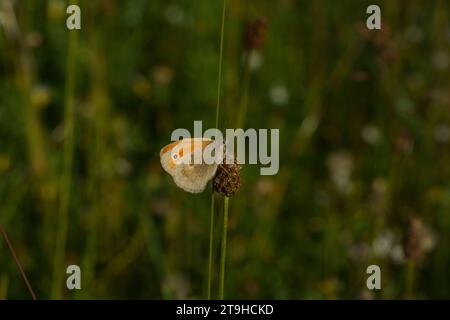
<point>4,283</point>
<point>219,78</point>
<point>223,253</point>
<point>16,260</point>
<point>410,270</point>
<point>66,177</point>
<point>99,96</point>
<point>211,235</point>
<point>219,87</point>
<point>244,95</point>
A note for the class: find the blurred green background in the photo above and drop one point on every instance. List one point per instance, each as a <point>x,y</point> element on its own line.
<point>364,119</point>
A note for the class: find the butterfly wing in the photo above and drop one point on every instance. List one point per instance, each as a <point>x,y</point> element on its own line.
<point>165,157</point>
<point>189,177</point>
<point>194,178</point>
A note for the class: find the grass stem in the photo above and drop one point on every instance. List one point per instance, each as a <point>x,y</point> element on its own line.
<point>410,279</point>
<point>219,87</point>
<point>244,94</point>
<point>66,177</point>
<point>224,248</point>
<point>19,266</point>
<point>219,78</point>
<point>211,237</point>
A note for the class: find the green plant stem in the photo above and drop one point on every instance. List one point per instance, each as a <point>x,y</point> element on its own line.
<point>4,282</point>
<point>219,87</point>
<point>16,260</point>
<point>211,237</point>
<point>223,253</point>
<point>219,79</point>
<point>410,279</point>
<point>244,94</point>
<point>66,178</point>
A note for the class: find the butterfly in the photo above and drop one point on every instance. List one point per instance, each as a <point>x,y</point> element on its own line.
<point>180,160</point>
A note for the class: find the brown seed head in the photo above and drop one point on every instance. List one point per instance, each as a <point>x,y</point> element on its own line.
<point>227,180</point>
<point>418,240</point>
<point>255,33</point>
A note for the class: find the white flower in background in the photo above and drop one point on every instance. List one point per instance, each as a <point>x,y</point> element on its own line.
<point>174,14</point>
<point>383,244</point>
<point>279,95</point>
<point>255,60</point>
<point>397,254</point>
<point>442,133</point>
<point>370,134</point>
<point>340,165</point>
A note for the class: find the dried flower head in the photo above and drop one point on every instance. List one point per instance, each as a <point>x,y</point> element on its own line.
<point>418,240</point>
<point>227,180</point>
<point>255,33</point>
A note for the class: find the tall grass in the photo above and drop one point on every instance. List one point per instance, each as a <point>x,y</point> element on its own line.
<point>18,264</point>
<point>243,105</point>
<point>219,87</point>
<point>223,253</point>
<point>409,287</point>
<point>211,244</point>
<point>66,176</point>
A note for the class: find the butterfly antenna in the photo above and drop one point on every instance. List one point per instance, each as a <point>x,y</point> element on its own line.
<point>16,259</point>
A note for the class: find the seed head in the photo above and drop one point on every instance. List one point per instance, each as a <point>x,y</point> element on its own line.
<point>227,180</point>
<point>255,33</point>
<point>418,240</point>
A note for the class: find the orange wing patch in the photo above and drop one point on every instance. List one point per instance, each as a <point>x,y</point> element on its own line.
<point>169,147</point>
<point>193,145</point>
<point>197,143</point>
